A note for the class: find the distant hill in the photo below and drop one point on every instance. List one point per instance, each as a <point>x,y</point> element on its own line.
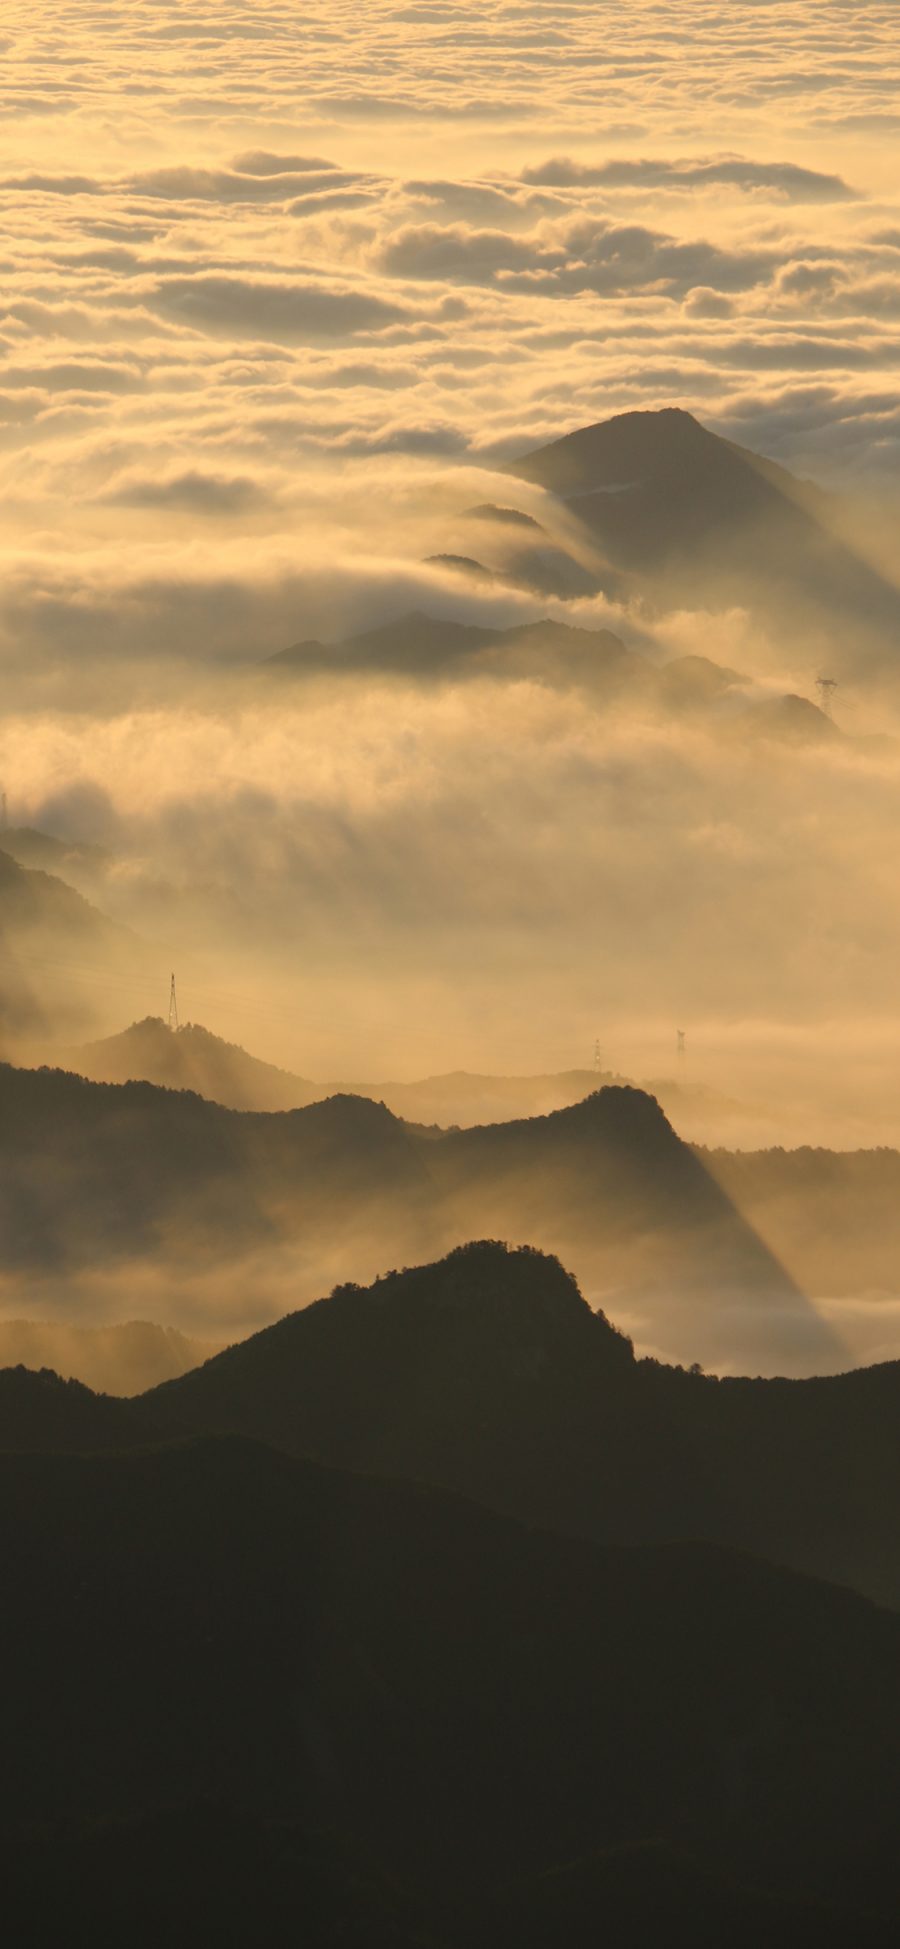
<point>196,1059</point>
<point>95,1174</point>
<point>609,1186</point>
<point>364,1715</point>
<point>426,646</point>
<point>489,1374</point>
<point>190,1058</point>
<point>119,1359</point>
<point>833,1217</point>
<point>57,949</point>
<point>702,522</point>
<point>430,649</point>
<point>81,866</point>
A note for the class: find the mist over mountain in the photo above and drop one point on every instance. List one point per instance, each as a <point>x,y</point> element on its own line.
<point>428,647</point>
<point>122,1358</point>
<point>693,519</point>
<point>449,627</point>
<point>190,1058</point>
<point>52,938</point>
<point>831,1216</point>
<point>103,1176</point>
<point>425,648</point>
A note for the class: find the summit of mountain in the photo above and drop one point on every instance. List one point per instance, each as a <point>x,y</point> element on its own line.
<point>487,1373</point>
<point>608,1185</point>
<point>696,520</point>
<point>190,1058</point>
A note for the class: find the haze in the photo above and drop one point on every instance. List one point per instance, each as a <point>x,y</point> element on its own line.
<point>286,294</point>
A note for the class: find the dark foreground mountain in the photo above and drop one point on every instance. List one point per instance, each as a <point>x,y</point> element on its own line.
<point>259,1701</point>
<point>693,519</point>
<point>43,1414</point>
<point>489,1374</point>
<point>95,1175</point>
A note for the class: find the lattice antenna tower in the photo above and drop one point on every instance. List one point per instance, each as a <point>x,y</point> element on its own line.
<point>598,1057</point>
<point>173,1006</point>
<point>4,813</point>
<point>825,689</point>
<point>680,1044</point>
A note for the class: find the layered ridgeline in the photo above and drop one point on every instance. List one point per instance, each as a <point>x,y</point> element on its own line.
<point>693,689</point>
<point>649,507</point>
<point>192,1057</point>
<point>96,1177</point>
<point>831,1218</point>
<point>488,1374</point>
<point>258,1700</point>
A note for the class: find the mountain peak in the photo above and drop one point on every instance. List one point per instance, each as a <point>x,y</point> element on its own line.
<point>614,455</point>
<point>485,1335</point>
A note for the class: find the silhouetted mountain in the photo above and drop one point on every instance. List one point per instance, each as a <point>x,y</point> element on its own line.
<point>91,1173</point>
<point>259,1701</point>
<point>193,1058</point>
<point>699,520</point>
<point>95,1171</point>
<point>489,1374</point>
<point>41,1414</point>
<point>53,944</point>
<point>190,1058</point>
<point>609,1186</point>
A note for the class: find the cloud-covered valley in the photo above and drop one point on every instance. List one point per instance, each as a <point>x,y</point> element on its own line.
<point>283,294</point>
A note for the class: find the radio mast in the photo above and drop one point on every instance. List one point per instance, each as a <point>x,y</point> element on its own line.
<point>173,1006</point>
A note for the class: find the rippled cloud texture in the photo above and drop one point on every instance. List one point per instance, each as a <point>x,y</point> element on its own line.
<point>242,240</point>
<point>285,286</point>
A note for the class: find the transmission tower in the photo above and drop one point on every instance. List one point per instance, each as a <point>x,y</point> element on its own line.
<point>825,688</point>
<point>680,1034</point>
<point>598,1057</point>
<point>173,1006</point>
